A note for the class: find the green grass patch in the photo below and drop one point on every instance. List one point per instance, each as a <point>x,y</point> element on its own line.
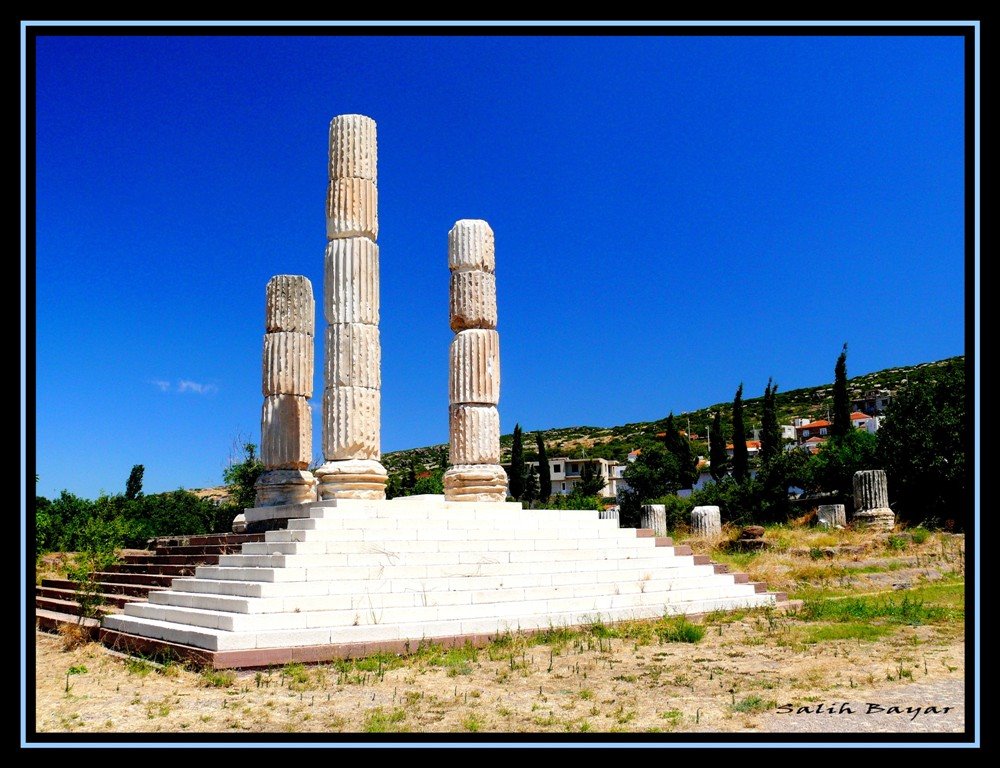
<point>679,630</point>
<point>218,678</point>
<point>380,721</point>
<point>897,543</point>
<point>845,631</point>
<point>919,534</point>
<point>753,705</point>
<point>904,609</point>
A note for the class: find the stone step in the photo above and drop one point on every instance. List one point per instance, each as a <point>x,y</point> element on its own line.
<point>161,569</point>
<point>438,534</point>
<point>107,588</point>
<point>70,595</point>
<point>200,549</point>
<point>150,579</point>
<point>217,640</point>
<point>155,559</point>
<point>202,539</point>
<point>663,541</point>
<point>71,607</point>
<point>311,545</point>
<point>51,621</point>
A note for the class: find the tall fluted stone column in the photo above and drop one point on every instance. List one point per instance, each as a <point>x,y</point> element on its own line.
<point>352,379</point>
<point>706,522</point>
<point>287,383</point>
<point>871,500</point>
<point>474,372</point>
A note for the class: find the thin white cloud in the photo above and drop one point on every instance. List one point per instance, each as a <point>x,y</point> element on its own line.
<point>185,385</point>
<point>163,386</point>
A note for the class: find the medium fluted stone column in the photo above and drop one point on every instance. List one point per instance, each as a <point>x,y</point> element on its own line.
<point>831,516</point>
<point>706,522</point>
<point>353,352</point>
<point>654,517</point>
<point>475,473</point>
<point>287,382</point>
<point>871,500</point>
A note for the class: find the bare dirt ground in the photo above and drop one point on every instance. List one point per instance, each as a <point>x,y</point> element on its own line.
<point>878,648</point>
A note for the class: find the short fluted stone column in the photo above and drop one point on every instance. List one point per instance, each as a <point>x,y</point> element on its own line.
<point>831,516</point>
<point>706,522</point>
<point>352,393</point>
<point>654,517</point>
<point>871,500</point>
<point>287,383</point>
<point>475,473</point>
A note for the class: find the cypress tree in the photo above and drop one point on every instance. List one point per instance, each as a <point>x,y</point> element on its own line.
<point>680,447</point>
<point>717,449</point>
<point>770,433</point>
<point>740,458</point>
<point>133,487</point>
<point>841,402</point>
<point>544,475</point>
<point>515,483</point>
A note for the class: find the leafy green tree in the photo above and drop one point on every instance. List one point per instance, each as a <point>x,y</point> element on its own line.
<point>680,448</point>
<point>717,455</point>
<point>515,482</point>
<point>591,482</point>
<point>770,432</point>
<point>832,469</point>
<point>241,475</point>
<point>133,488</point>
<point>741,461</point>
<point>544,474</point>
<point>922,445</point>
<point>654,473</point>
<point>841,401</point>
<point>530,485</point>
<point>431,483</point>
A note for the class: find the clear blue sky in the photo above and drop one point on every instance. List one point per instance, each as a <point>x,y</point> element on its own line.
<point>673,215</point>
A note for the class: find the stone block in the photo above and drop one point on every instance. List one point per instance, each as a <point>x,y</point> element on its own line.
<point>473,300</point>
<point>353,356</point>
<point>289,305</point>
<point>474,371</point>
<point>706,522</point>
<point>351,209</point>
<point>350,423</point>
<point>351,281</point>
<point>287,367</point>
<point>474,434</point>
<point>471,246</point>
<point>353,148</point>
<point>286,432</point>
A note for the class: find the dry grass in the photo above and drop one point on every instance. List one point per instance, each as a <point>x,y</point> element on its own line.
<point>629,678</point>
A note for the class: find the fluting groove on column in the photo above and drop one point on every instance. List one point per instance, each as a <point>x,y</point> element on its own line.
<point>353,356</point>
<point>353,148</point>
<point>474,374</point>
<point>471,246</point>
<point>351,281</point>
<point>474,370</point>
<point>351,423</point>
<point>654,517</point>
<point>351,209</point>
<point>473,300</point>
<point>289,305</point>
<point>871,500</point>
<point>706,522</point>
<point>288,364</point>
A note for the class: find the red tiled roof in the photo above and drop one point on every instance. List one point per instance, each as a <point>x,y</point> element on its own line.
<point>858,415</point>
<point>750,444</point>
<point>816,440</point>
<point>816,424</point>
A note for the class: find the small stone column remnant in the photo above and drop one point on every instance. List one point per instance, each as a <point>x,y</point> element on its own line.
<point>654,516</point>
<point>871,500</point>
<point>353,352</point>
<point>474,367</point>
<point>706,522</point>
<point>831,516</point>
<point>287,383</point>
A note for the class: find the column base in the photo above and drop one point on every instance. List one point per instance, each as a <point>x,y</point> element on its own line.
<point>882,519</point>
<point>475,482</point>
<point>352,479</point>
<point>276,487</point>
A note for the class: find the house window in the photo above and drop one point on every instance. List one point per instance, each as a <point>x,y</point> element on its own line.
<point>822,430</point>
<point>574,467</point>
<point>564,486</point>
<point>557,468</point>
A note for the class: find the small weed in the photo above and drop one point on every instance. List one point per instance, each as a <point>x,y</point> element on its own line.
<point>472,723</point>
<point>138,667</point>
<point>679,630</point>
<point>586,694</point>
<point>218,678</point>
<point>380,721</point>
<point>919,534</point>
<point>752,705</point>
<point>897,543</point>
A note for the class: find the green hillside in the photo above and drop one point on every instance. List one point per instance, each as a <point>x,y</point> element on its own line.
<point>616,442</point>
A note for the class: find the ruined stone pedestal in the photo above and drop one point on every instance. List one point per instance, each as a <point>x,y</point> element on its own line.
<point>831,516</point>
<point>706,522</point>
<point>654,517</point>
<point>352,380</point>
<point>871,501</point>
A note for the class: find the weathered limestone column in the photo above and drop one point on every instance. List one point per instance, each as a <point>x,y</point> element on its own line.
<point>831,516</point>
<point>287,383</point>
<point>871,500</point>
<point>654,517</point>
<point>706,522</point>
<point>352,378</point>
<point>474,373</point>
